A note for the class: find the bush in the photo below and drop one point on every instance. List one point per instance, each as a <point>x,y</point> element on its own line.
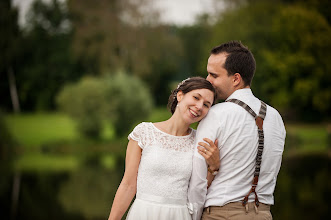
<point>86,103</point>
<point>119,99</point>
<point>130,101</point>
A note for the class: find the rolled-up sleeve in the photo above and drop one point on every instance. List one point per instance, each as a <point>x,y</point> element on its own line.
<point>198,183</point>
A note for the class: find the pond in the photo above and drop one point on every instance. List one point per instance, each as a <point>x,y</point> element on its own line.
<point>302,191</point>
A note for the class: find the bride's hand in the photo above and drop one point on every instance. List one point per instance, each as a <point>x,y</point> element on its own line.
<point>210,152</point>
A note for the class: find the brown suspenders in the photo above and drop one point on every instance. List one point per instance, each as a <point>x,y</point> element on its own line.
<point>259,122</point>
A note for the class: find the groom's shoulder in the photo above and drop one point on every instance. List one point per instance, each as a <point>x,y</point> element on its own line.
<point>223,106</point>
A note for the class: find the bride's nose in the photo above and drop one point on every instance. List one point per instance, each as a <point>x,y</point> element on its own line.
<point>199,105</point>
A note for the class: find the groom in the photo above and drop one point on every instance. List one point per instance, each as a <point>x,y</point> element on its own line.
<point>251,142</point>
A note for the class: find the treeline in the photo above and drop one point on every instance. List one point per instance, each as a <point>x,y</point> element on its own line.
<point>64,41</point>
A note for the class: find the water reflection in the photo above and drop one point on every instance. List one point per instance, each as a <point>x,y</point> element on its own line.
<point>302,191</point>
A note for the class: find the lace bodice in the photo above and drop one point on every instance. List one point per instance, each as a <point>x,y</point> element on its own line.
<point>166,161</point>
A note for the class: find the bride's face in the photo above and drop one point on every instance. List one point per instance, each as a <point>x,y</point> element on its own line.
<point>194,105</point>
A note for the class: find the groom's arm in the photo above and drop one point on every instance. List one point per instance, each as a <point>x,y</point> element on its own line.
<point>198,183</point>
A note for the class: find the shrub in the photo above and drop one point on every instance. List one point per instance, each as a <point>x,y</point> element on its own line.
<point>86,103</point>
<point>130,101</point>
<point>120,99</point>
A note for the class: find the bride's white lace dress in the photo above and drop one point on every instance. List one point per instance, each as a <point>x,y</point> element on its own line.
<point>163,175</point>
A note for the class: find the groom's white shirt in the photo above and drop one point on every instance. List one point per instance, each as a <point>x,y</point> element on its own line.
<point>236,132</point>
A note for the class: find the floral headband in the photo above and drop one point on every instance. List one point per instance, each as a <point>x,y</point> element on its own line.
<point>181,83</point>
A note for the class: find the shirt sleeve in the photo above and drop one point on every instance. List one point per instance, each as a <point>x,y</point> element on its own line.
<point>208,128</point>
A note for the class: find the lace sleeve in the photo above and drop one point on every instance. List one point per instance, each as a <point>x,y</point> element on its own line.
<point>139,134</point>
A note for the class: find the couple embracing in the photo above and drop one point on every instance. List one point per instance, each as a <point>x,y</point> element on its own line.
<point>226,169</point>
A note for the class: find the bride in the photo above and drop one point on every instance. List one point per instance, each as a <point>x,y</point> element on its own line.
<point>159,158</point>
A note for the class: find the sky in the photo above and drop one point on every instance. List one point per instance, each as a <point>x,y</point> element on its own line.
<point>180,12</point>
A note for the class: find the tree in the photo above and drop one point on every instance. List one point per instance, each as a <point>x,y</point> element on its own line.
<point>9,44</point>
<point>193,39</point>
<point>112,36</point>
<point>291,46</point>
<point>9,41</point>
<point>46,62</point>
<point>119,99</point>
<point>300,61</point>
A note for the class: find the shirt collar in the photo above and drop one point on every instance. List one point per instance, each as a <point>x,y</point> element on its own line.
<point>241,94</point>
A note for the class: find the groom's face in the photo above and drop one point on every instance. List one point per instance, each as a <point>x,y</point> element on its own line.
<point>218,76</point>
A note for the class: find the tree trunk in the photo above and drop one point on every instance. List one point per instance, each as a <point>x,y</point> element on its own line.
<point>17,174</point>
<point>13,90</point>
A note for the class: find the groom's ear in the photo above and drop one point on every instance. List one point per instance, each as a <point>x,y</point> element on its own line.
<point>237,79</point>
<point>180,95</point>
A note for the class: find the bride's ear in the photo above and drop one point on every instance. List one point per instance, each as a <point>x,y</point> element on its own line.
<point>180,96</point>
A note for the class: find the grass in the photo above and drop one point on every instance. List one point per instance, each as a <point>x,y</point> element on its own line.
<point>308,137</point>
<point>39,133</point>
<point>33,130</point>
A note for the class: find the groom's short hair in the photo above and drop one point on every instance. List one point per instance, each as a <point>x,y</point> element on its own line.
<point>239,60</point>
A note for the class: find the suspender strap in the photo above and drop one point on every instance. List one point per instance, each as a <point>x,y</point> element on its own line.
<point>259,122</point>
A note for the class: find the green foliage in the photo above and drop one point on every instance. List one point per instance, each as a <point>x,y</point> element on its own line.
<point>121,34</point>
<point>130,102</point>
<point>305,58</point>
<point>10,42</point>
<point>86,102</point>
<point>45,63</point>
<point>195,54</point>
<point>10,34</point>
<point>120,99</point>
<point>292,47</point>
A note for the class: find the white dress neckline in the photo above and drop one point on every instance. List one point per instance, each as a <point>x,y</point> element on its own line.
<point>184,136</point>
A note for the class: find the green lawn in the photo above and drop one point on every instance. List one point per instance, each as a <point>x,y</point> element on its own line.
<point>42,131</point>
<point>307,137</point>
<point>32,130</point>
<point>38,133</point>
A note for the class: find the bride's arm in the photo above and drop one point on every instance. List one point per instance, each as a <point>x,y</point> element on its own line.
<point>128,186</point>
<point>211,154</point>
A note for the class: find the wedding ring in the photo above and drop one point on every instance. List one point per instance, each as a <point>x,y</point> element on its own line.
<point>205,150</point>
